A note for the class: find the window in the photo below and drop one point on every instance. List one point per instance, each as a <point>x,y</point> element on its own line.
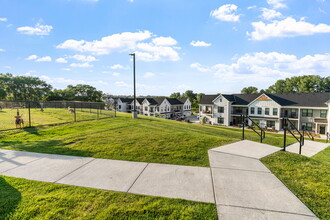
<point>252,110</point>
<point>221,109</point>
<point>119,106</point>
<point>275,110</point>
<point>293,113</point>
<point>307,125</point>
<point>307,112</point>
<point>270,124</point>
<point>267,111</point>
<point>220,120</point>
<point>146,108</point>
<point>259,111</point>
<point>200,108</point>
<point>220,100</point>
<point>323,113</point>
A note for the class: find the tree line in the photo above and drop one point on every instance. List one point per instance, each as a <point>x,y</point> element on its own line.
<point>296,84</point>
<point>194,98</point>
<point>28,88</point>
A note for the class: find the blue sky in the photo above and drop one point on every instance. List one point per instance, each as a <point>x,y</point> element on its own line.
<point>207,46</point>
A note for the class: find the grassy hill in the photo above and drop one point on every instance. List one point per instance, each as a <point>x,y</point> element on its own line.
<point>145,139</point>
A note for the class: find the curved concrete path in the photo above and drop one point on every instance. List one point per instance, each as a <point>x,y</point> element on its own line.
<point>240,185</point>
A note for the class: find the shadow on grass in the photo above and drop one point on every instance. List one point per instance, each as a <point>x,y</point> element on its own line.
<point>32,130</point>
<point>9,199</point>
<point>51,147</point>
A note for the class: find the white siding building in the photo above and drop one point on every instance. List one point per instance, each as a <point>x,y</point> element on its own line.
<point>309,110</point>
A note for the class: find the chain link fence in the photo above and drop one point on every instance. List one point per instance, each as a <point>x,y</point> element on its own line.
<point>21,114</point>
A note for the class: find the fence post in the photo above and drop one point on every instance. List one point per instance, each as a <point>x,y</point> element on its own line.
<point>74,112</point>
<point>29,114</point>
<point>284,129</point>
<point>243,120</point>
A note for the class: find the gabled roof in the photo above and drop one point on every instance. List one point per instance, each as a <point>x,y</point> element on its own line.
<point>126,99</point>
<point>138,100</point>
<point>285,99</point>
<point>159,100</point>
<point>174,101</point>
<point>151,101</point>
<point>207,99</point>
<point>183,100</point>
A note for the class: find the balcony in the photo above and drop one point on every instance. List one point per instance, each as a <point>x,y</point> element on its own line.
<point>207,112</point>
<point>290,115</point>
<point>239,112</point>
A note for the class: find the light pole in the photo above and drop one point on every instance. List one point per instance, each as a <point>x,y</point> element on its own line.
<point>134,114</point>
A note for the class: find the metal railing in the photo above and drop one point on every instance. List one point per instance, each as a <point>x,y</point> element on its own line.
<point>309,134</point>
<point>261,134</point>
<point>328,136</point>
<point>286,127</point>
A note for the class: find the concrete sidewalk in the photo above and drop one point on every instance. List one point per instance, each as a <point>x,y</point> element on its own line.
<point>309,149</point>
<point>245,189</point>
<point>240,185</point>
<point>184,182</point>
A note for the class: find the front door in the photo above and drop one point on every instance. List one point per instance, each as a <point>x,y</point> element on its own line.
<point>322,129</point>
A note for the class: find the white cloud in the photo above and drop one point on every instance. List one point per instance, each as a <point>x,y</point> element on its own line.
<point>277,3</point>
<point>32,57</point>
<point>226,13</point>
<point>270,14</point>
<point>66,69</point>
<point>61,60</point>
<point>44,59</point>
<point>288,27</point>
<point>164,41</point>
<point>81,65</point>
<point>83,58</point>
<point>121,84</point>
<point>200,44</point>
<point>267,67</point>
<point>251,7</point>
<point>183,87</point>
<point>61,80</point>
<point>38,29</point>
<point>3,19</point>
<point>151,52</point>
<point>148,75</point>
<point>160,48</point>
<point>122,41</point>
<point>7,67</point>
<point>200,67</point>
<point>115,74</point>
<point>2,50</point>
<point>117,67</point>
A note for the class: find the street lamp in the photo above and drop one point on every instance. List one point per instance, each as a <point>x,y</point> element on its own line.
<point>134,114</point>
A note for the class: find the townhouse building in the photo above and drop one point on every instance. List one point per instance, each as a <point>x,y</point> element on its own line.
<point>309,110</point>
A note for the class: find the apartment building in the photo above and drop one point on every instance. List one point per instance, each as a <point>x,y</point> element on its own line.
<point>309,110</point>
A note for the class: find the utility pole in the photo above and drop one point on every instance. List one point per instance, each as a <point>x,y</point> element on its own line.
<point>134,113</point>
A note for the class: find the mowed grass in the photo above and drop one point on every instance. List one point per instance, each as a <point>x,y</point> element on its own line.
<point>307,178</point>
<point>145,139</point>
<point>48,116</point>
<point>26,199</point>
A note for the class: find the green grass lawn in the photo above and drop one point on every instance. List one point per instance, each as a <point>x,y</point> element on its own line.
<point>48,116</point>
<point>145,139</point>
<point>26,199</point>
<point>307,178</point>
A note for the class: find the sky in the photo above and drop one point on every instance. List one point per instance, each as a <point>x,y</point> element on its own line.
<point>208,46</point>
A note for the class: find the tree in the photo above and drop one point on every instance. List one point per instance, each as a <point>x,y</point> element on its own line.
<point>301,84</point>
<point>24,87</point>
<point>250,90</point>
<point>176,95</point>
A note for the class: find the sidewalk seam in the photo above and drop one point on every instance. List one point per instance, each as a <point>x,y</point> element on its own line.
<point>137,177</point>
<point>74,170</point>
<point>225,168</point>
<point>2,173</point>
<point>213,187</point>
<point>268,210</point>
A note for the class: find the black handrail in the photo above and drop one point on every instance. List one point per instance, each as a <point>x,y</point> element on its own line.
<point>285,127</point>
<point>328,136</point>
<point>309,134</point>
<point>262,134</point>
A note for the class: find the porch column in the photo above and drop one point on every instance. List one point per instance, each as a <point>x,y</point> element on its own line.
<point>299,124</point>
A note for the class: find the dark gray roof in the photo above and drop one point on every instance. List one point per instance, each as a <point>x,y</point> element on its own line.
<point>182,100</point>
<point>126,100</point>
<point>285,99</point>
<point>139,100</point>
<point>159,100</point>
<point>207,99</point>
<point>301,99</point>
<point>152,101</point>
<point>174,101</point>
